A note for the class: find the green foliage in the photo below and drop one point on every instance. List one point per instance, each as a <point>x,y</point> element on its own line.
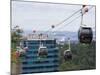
<point>84,57</point>
<point>16,35</point>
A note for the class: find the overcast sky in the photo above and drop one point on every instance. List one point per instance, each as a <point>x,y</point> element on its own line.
<point>40,16</point>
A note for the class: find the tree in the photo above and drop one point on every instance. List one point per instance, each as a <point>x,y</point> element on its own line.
<point>16,35</point>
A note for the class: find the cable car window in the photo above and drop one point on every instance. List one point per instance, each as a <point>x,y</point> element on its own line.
<point>86,31</point>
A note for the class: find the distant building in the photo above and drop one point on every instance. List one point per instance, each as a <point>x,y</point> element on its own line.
<point>31,63</point>
<point>62,41</point>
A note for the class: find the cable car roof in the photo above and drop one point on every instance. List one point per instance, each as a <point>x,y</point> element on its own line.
<point>85,26</point>
<point>67,50</point>
<point>42,47</point>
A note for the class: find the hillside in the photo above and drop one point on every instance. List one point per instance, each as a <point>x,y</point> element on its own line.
<point>84,57</point>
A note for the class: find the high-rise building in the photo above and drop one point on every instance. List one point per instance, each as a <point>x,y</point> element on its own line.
<point>32,63</point>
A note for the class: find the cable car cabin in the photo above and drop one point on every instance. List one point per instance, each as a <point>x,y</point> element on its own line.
<point>67,55</point>
<point>42,52</point>
<point>22,54</point>
<point>21,51</point>
<point>85,35</point>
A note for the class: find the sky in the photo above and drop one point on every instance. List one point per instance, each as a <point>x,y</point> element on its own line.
<point>41,16</point>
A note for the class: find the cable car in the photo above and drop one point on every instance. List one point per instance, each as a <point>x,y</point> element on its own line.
<point>67,55</point>
<point>21,51</point>
<point>85,35</point>
<point>42,52</point>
